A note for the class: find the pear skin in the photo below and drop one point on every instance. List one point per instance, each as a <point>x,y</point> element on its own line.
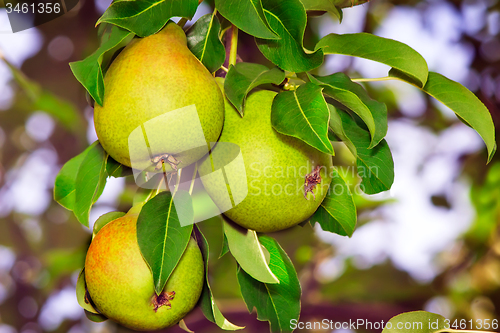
<point>276,167</point>
<point>120,282</point>
<point>160,102</point>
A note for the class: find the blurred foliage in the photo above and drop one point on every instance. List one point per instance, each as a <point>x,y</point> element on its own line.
<point>49,246</point>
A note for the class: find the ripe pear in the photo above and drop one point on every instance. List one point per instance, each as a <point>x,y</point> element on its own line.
<point>159,102</point>
<point>120,283</point>
<point>276,168</point>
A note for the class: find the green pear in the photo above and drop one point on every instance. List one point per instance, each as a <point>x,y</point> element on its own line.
<point>160,102</point>
<point>120,282</point>
<point>276,166</point>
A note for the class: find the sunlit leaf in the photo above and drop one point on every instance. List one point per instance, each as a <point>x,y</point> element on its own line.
<point>247,15</point>
<point>95,317</point>
<point>276,303</point>
<point>90,182</point>
<point>375,166</point>
<point>183,326</point>
<point>82,295</point>
<point>337,212</point>
<point>64,187</point>
<point>204,42</point>
<point>225,247</point>
<point>348,3</point>
<point>383,50</point>
<point>207,301</point>
<point>288,19</point>
<point>466,105</point>
<point>247,250</point>
<point>245,76</point>
<point>322,5</point>
<point>415,322</point>
<point>161,237</point>
<point>116,170</point>
<point>90,72</point>
<point>373,113</point>
<point>146,17</point>
<point>105,219</point>
<point>304,114</point>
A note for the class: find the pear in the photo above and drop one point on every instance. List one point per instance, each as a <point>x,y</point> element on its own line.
<point>160,103</point>
<point>286,178</point>
<point>120,282</point>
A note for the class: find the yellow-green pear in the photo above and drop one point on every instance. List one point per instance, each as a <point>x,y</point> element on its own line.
<point>120,282</point>
<point>160,102</point>
<point>286,178</point>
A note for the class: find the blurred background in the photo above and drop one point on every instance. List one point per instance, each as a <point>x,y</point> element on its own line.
<point>431,243</point>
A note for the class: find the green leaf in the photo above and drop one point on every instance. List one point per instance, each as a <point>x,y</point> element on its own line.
<point>66,184</point>
<point>146,17</point>
<point>348,3</point>
<point>95,317</point>
<point>383,50</point>
<point>90,71</point>
<point>466,105</point>
<point>105,219</point>
<point>288,19</point>
<point>247,15</point>
<point>183,326</point>
<point>415,322</point>
<point>276,303</point>
<point>337,212</point>
<point>39,99</point>
<point>245,76</point>
<point>90,182</point>
<point>116,170</point>
<point>337,130</point>
<point>225,246</point>
<point>247,250</point>
<point>64,187</point>
<point>161,237</point>
<point>304,114</point>
<point>207,302</point>
<point>375,166</point>
<point>373,113</point>
<point>322,5</point>
<point>82,295</point>
<point>204,42</point>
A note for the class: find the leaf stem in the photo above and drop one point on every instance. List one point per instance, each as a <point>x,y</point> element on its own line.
<point>386,78</point>
<point>224,69</point>
<point>234,46</point>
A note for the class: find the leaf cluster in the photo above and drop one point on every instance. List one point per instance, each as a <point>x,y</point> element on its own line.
<point>318,110</point>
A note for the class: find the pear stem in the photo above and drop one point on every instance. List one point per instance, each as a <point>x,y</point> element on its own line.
<point>234,46</point>
<point>182,22</point>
